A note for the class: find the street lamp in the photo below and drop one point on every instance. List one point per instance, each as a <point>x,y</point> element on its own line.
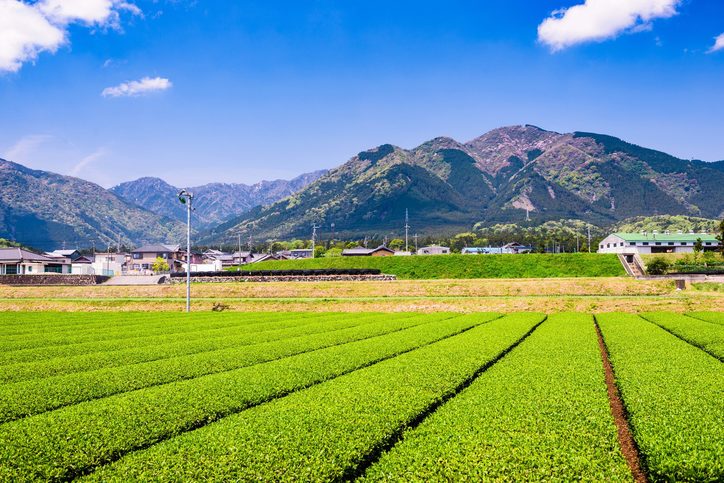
<point>185,197</point>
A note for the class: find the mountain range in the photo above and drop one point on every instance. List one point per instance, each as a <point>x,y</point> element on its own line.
<point>48,210</point>
<point>521,174</point>
<point>515,174</point>
<point>214,203</point>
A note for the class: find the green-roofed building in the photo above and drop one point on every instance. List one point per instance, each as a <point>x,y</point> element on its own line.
<point>653,242</point>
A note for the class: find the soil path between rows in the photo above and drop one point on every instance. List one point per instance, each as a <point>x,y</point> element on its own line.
<point>629,448</point>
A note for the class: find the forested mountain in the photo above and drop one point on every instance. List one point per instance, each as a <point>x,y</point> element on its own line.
<point>214,202</point>
<point>510,174</point>
<point>47,210</point>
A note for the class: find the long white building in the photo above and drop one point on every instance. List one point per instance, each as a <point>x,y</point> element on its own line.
<point>653,242</point>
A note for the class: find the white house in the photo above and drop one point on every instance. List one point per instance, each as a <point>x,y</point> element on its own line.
<point>18,261</point>
<point>109,263</point>
<point>653,242</point>
<point>433,250</point>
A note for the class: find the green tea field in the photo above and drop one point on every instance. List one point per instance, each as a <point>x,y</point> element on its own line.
<point>331,396</point>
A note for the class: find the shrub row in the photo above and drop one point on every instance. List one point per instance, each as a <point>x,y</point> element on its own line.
<point>64,443</point>
<point>212,341</point>
<point>205,328</point>
<point>673,393</point>
<point>326,432</point>
<point>715,317</point>
<point>705,335</point>
<point>165,326</point>
<point>541,413</point>
<point>284,273</point>
<point>34,396</point>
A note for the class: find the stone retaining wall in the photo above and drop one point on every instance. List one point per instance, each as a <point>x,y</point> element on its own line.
<point>286,278</point>
<point>52,279</point>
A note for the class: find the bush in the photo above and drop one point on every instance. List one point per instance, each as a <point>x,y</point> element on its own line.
<point>657,266</point>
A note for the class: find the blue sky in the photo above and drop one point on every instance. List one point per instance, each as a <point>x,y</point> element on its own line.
<point>243,91</point>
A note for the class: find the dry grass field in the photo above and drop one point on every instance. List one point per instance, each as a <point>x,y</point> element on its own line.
<point>503,295</point>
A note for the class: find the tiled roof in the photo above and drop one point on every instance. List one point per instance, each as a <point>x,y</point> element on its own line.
<point>157,248</point>
<point>19,254</point>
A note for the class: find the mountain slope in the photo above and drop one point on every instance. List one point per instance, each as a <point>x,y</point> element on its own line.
<point>214,202</point>
<point>508,174</point>
<point>47,210</point>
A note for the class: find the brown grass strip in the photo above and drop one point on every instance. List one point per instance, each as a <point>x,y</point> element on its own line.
<point>629,448</point>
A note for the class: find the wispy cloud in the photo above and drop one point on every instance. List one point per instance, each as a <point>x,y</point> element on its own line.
<point>91,158</point>
<point>138,88</point>
<point>718,44</point>
<point>598,20</point>
<point>23,148</point>
<point>29,28</point>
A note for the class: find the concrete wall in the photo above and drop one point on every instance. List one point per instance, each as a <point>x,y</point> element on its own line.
<point>51,279</point>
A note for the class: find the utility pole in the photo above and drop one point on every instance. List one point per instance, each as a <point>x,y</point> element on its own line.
<point>415,237</point>
<point>314,237</point>
<point>332,225</point>
<point>589,238</point>
<point>118,247</point>
<point>239,252</point>
<point>578,248</point>
<point>249,243</point>
<point>407,228</point>
<point>185,197</point>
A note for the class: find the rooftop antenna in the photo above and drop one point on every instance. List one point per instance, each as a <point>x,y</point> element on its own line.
<point>407,228</point>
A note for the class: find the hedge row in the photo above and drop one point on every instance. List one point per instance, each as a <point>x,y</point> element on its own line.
<point>540,414</point>
<point>212,340</point>
<point>705,335</point>
<point>200,326</point>
<point>673,393</point>
<point>35,396</point>
<point>326,432</point>
<point>71,441</point>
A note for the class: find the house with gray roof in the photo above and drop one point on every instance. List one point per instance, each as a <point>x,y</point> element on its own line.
<point>18,261</point>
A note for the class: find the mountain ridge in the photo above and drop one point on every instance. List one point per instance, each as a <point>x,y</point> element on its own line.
<point>507,174</point>
<point>47,210</point>
<point>215,202</point>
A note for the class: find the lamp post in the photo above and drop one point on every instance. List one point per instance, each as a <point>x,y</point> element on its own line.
<point>185,197</point>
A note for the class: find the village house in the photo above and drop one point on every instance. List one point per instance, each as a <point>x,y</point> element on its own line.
<point>18,261</point>
<point>296,253</point>
<point>143,258</point>
<point>434,250</point>
<point>82,265</point>
<point>380,251</point>
<point>653,242</point>
<point>110,264</point>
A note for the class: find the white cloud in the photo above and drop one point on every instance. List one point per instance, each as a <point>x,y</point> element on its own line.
<point>29,28</point>
<point>24,33</point>
<point>597,20</point>
<point>137,88</point>
<point>718,44</point>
